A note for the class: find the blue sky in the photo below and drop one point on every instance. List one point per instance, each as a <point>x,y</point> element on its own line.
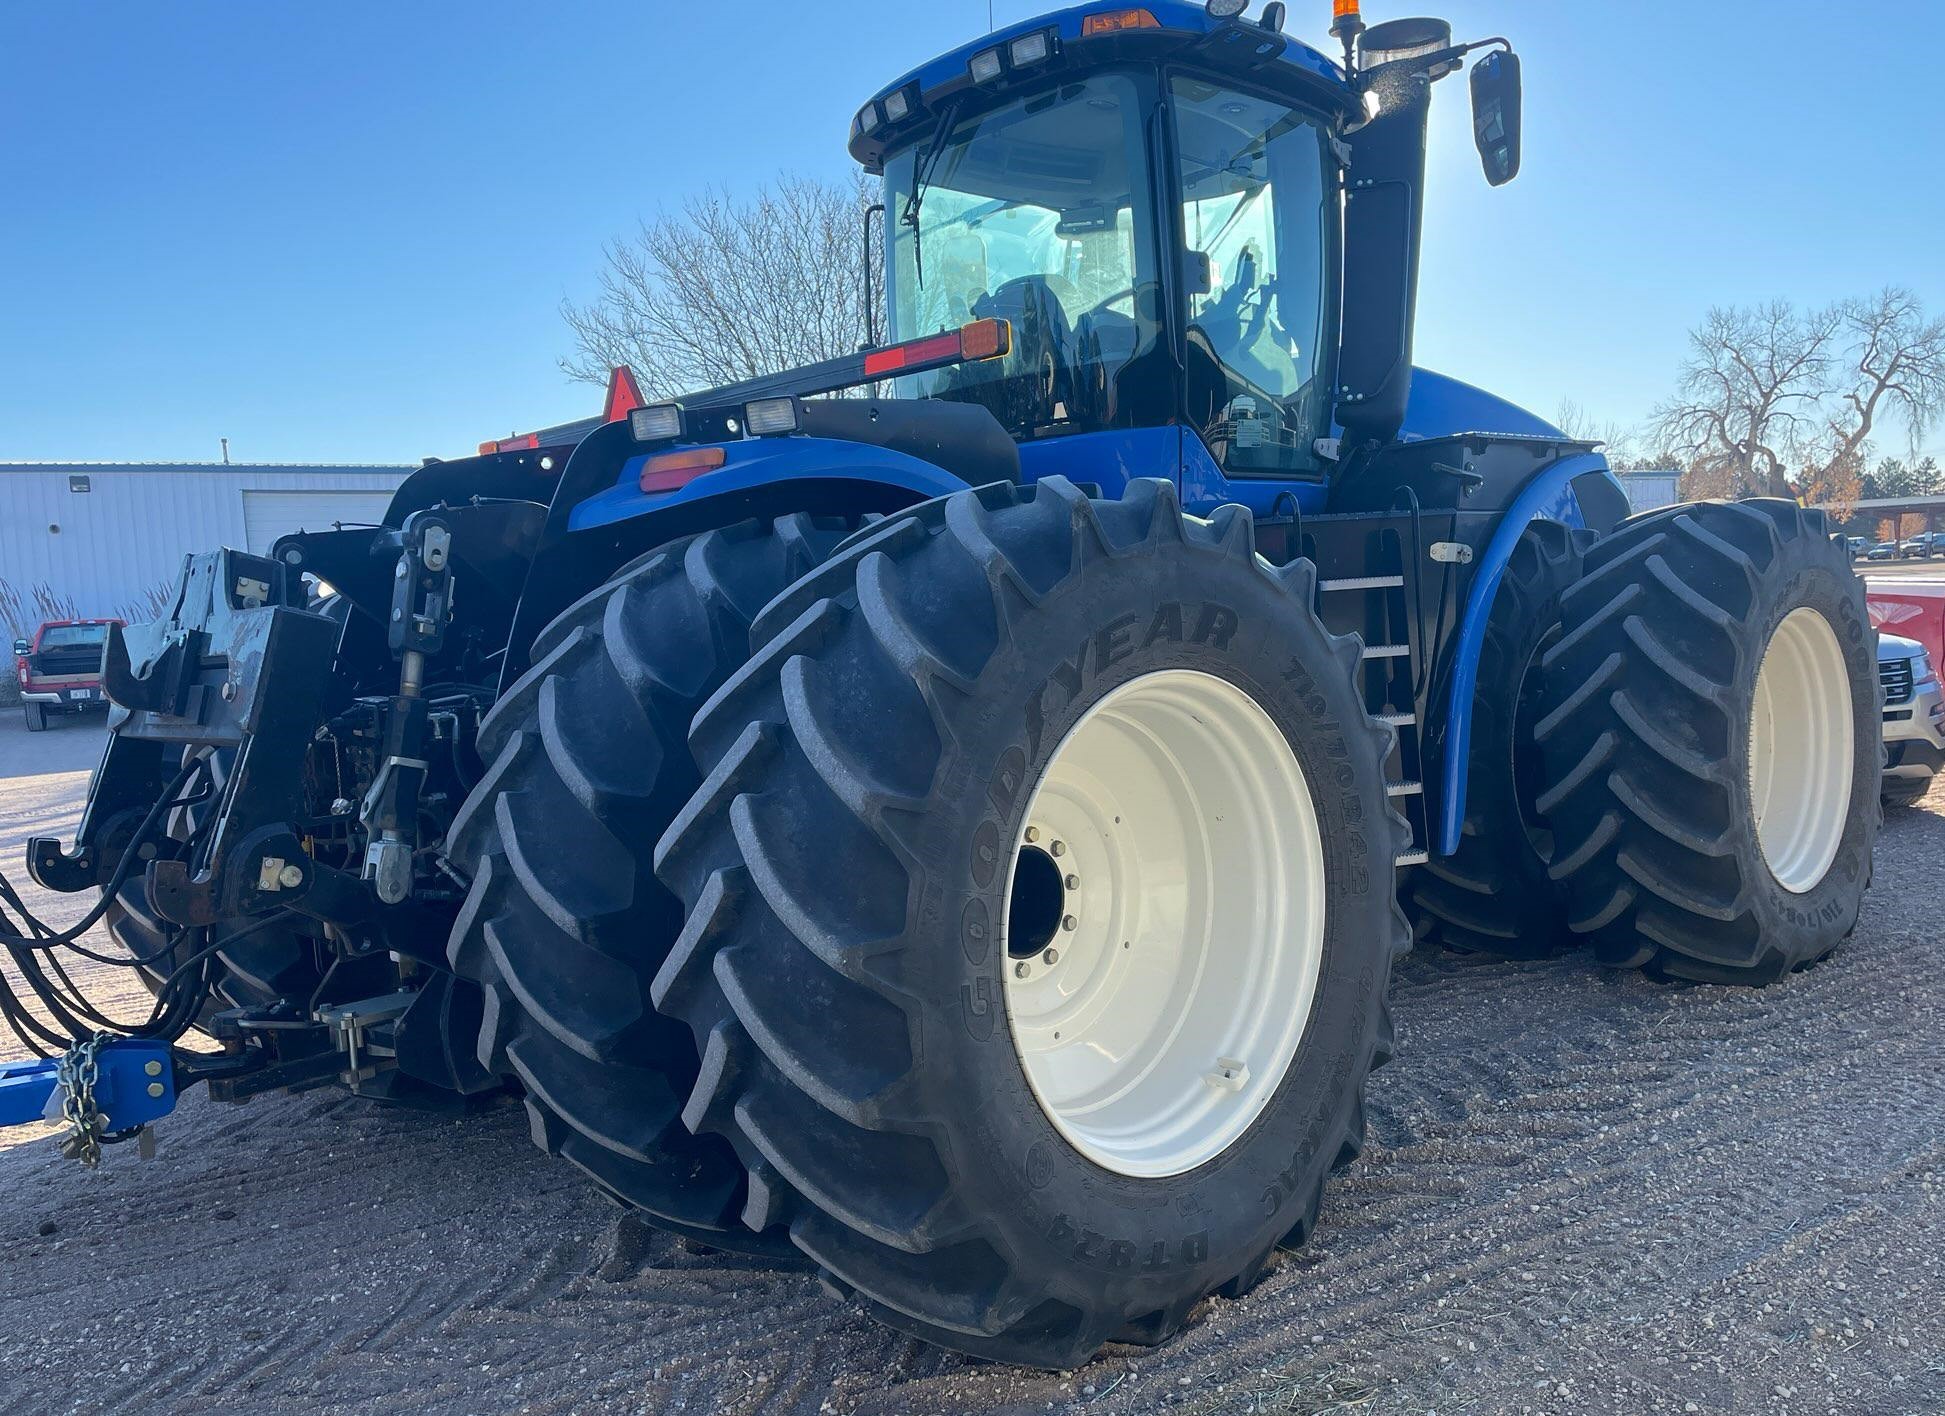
<point>343,231</point>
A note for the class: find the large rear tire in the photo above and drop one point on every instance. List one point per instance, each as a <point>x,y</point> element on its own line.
<point>1494,895</point>
<point>36,715</point>
<point>1712,743</point>
<point>1021,762</point>
<point>564,924</point>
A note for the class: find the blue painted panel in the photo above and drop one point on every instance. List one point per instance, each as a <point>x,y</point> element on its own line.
<point>1190,20</point>
<point>1205,486</point>
<point>1549,496</point>
<point>1112,459</point>
<point>1441,405</point>
<point>760,461</point>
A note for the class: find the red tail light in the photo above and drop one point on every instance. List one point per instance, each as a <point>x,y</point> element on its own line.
<point>669,471</point>
<point>982,339</point>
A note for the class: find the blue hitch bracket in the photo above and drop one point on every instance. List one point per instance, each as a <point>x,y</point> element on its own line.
<point>136,1085</point>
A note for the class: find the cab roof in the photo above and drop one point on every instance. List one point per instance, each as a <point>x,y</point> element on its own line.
<point>1183,30</point>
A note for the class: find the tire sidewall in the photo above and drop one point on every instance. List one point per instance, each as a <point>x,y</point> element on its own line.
<point>1115,620</point>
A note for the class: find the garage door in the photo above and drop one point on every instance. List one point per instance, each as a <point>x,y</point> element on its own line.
<point>268,515</point>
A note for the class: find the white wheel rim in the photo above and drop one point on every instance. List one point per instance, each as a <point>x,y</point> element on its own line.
<point>1188,936</point>
<point>1801,741</point>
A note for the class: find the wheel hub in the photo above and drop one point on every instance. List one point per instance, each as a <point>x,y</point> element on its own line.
<point>1165,923</point>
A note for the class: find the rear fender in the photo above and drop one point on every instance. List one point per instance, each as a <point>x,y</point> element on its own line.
<point>601,519</point>
<point>1551,495</point>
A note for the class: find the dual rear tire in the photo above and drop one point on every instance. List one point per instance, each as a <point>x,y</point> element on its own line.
<point>1675,757</point>
<point>1017,1113</point>
<point>564,924</point>
<point>1712,744</point>
<point>1021,953</point>
<point>1010,933</point>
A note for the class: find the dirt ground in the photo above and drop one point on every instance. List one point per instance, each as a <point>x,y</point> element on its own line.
<point>1585,1193</point>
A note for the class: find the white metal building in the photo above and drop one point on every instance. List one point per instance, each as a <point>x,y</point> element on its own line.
<point>1649,490</point>
<point>94,539</point>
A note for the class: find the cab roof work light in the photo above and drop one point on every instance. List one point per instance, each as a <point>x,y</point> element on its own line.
<point>1026,52</point>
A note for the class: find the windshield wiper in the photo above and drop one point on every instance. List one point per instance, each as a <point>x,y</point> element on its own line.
<point>921,179</point>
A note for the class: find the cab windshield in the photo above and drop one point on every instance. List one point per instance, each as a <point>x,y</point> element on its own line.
<point>1037,213</point>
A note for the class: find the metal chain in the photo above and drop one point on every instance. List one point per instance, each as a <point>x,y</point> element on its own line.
<point>80,1069</point>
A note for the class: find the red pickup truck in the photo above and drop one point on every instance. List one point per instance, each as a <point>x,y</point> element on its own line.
<point>60,669</point>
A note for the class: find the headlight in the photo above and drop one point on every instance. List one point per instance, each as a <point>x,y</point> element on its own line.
<point>1921,667</point>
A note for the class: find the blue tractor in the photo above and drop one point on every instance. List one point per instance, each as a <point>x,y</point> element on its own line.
<point>949,814</point>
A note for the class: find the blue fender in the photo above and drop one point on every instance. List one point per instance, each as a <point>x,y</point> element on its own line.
<point>766,463</point>
<point>1548,497</point>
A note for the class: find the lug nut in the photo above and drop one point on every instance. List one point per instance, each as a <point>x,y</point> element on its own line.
<point>1068,922</point>
<point>1052,956</point>
<point>1033,834</point>
<point>1073,882</point>
<point>1022,969</point>
<point>1059,848</point>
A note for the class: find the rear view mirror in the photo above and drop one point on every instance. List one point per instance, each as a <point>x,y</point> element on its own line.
<point>21,648</point>
<point>1496,114</point>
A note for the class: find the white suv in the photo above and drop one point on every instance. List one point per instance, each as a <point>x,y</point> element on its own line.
<point>1913,709</point>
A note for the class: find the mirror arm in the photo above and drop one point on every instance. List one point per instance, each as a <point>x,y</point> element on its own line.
<point>1441,62</point>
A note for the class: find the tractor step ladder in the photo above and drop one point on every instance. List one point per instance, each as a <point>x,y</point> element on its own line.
<point>1375,607</point>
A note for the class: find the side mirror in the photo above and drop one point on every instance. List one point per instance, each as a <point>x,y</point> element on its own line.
<point>1496,115</point>
<point>22,648</point>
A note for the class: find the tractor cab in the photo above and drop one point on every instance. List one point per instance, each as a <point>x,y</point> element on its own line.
<point>1153,199</point>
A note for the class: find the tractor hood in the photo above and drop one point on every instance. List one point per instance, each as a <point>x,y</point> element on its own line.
<point>1442,406</point>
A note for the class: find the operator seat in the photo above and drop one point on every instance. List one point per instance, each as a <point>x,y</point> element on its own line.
<point>1039,372</point>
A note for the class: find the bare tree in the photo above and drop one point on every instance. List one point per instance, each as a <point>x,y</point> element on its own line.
<point>1894,366</point>
<point>725,290</point>
<point>1626,449</point>
<point>1774,387</point>
<point>1749,397</point>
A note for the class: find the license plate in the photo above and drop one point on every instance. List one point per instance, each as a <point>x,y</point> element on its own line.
<point>82,695</point>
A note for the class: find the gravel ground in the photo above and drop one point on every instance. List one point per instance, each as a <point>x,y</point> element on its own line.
<point>1585,1193</point>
